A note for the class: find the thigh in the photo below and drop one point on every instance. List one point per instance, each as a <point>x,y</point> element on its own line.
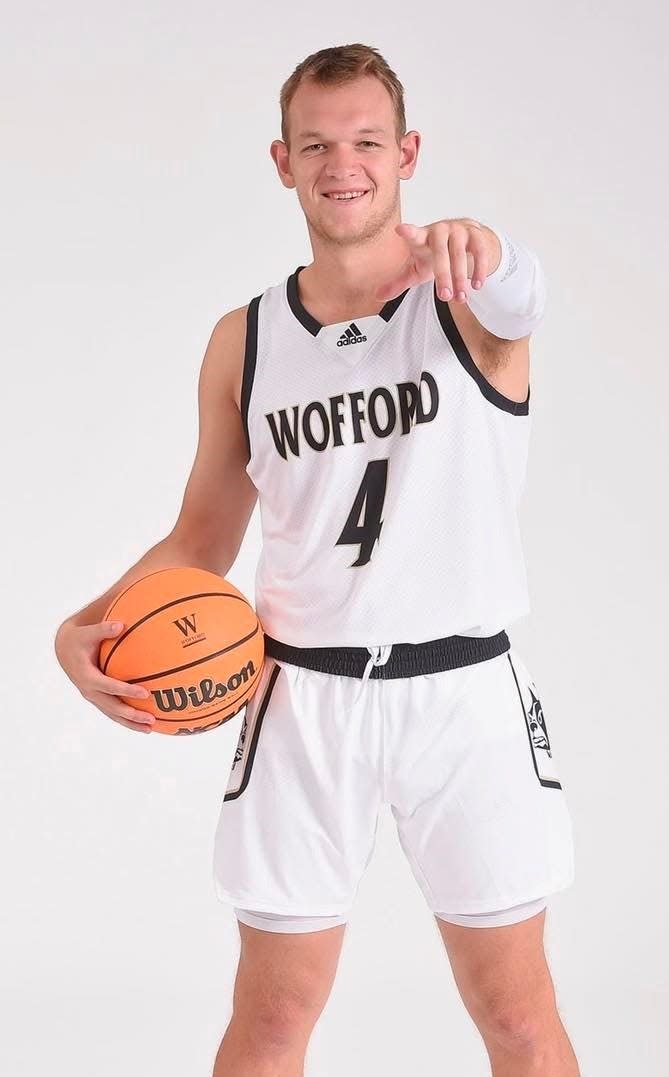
<point>477,790</point>
<point>299,817</point>
<point>500,971</point>
<point>283,980</point>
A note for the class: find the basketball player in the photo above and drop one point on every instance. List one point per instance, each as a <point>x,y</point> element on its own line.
<point>377,402</point>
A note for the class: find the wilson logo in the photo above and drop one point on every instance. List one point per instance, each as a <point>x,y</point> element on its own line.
<point>178,698</point>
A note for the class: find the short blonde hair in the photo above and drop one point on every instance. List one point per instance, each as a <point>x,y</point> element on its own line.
<point>339,64</point>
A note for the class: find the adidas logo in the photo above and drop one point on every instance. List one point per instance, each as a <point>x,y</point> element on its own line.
<point>351,336</point>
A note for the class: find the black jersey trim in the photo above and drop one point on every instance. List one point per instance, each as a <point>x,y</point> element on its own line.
<point>295,303</point>
<point>311,323</point>
<point>515,407</point>
<point>250,358</point>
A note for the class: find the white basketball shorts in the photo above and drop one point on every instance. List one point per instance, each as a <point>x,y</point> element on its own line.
<point>463,756</point>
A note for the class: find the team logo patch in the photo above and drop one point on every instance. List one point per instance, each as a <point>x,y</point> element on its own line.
<point>247,744</point>
<point>541,753</point>
<point>239,750</point>
<point>537,722</point>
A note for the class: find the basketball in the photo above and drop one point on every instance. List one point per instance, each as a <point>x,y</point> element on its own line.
<point>193,641</point>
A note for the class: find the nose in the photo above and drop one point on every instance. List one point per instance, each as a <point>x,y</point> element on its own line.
<point>341,161</point>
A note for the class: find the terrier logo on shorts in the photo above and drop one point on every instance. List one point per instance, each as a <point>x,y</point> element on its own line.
<point>252,722</point>
<point>538,725</point>
<point>543,761</point>
<point>239,751</point>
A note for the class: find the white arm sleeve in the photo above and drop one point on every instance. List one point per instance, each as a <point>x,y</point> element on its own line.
<point>512,300</point>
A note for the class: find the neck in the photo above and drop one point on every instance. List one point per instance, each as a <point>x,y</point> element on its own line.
<point>341,283</point>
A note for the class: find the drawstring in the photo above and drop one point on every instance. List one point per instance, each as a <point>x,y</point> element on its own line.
<point>378,657</point>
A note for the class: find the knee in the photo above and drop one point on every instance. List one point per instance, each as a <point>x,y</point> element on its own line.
<point>278,1010</point>
<point>513,1027</point>
<point>518,1025</point>
<point>277,1021</point>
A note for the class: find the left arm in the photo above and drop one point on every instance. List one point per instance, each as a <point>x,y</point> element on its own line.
<point>506,299</point>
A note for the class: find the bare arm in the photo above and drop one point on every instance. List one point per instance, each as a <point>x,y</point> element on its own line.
<point>219,496</point>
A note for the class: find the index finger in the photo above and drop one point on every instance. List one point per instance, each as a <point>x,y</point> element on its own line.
<point>479,252</point>
<point>113,687</point>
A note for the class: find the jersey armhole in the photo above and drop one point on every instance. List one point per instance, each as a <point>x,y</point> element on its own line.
<point>250,360</point>
<point>452,333</point>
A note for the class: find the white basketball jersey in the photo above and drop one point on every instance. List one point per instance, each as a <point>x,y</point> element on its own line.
<point>389,473</point>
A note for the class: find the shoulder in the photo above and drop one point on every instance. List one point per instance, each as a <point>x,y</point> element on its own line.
<point>224,357</point>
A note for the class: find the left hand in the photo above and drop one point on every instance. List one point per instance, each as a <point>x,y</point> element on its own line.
<point>451,252</point>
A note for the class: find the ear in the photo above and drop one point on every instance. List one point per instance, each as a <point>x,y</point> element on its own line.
<point>410,145</point>
<point>279,153</point>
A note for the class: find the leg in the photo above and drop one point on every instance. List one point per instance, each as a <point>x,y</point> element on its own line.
<point>285,843</point>
<point>504,981</point>
<point>483,820</point>
<point>283,982</point>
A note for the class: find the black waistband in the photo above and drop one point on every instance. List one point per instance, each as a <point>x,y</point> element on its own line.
<point>405,659</point>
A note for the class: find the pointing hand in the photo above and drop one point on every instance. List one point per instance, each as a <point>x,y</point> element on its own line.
<point>448,251</point>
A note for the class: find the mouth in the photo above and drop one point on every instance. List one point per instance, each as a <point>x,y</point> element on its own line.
<point>348,200</point>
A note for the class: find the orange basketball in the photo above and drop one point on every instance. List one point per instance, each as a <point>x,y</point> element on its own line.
<point>193,641</point>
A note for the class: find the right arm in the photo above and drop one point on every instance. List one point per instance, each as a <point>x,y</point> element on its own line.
<point>216,508</point>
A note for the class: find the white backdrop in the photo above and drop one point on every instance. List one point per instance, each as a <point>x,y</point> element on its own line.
<point>139,203</point>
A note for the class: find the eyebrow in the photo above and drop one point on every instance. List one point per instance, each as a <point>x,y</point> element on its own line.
<point>360,131</point>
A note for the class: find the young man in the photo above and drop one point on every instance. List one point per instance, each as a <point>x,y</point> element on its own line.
<point>378,404</point>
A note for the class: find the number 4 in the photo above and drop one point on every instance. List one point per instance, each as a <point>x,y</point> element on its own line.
<point>371,495</point>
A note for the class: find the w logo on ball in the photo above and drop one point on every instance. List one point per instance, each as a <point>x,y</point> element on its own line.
<point>185,624</point>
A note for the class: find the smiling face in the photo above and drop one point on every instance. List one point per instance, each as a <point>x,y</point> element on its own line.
<point>343,139</point>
